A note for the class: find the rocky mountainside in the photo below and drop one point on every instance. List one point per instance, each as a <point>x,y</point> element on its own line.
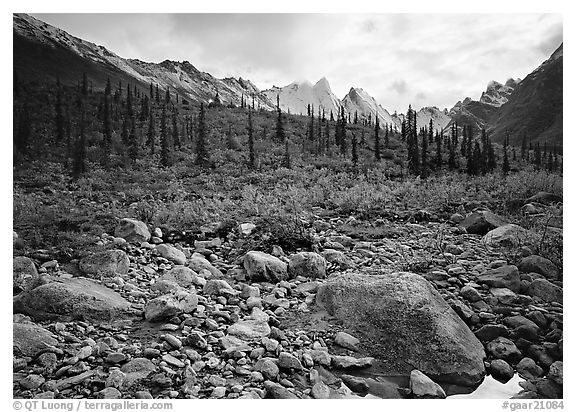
<point>358,101</point>
<point>497,94</point>
<point>531,106</point>
<point>535,106</point>
<point>440,118</point>
<point>478,113</point>
<point>42,51</point>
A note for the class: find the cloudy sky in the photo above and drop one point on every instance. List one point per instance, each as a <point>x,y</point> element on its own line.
<point>422,59</point>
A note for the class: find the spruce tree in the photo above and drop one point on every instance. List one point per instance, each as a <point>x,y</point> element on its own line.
<point>229,140</point>
<point>151,91</point>
<point>438,159</point>
<point>201,141</point>
<point>286,162</point>
<point>505,162</point>
<point>164,144</point>
<point>550,165</point>
<point>133,143</point>
<point>386,137</point>
<point>537,156</point>
<point>354,149</point>
<point>523,147</point>
<point>452,148</point>
<point>124,132</point>
<point>376,140</point>
<point>342,129</point>
<point>490,156</point>
<point>107,132</point>
<point>79,165</point>
<point>279,121</point>
<point>108,88</point>
<point>464,144</point>
<point>157,94</point>
<point>151,135</point>
<point>144,108</point>
<point>251,154</point>
<point>425,169</point>
<point>476,155</point>
<point>84,84</point>
<point>175,135</point>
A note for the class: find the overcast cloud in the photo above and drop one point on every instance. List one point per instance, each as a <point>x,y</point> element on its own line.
<point>422,59</point>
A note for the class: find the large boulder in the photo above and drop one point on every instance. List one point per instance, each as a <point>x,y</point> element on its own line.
<point>252,327</point>
<point>132,230</point>
<point>546,291</point>
<point>24,275</point>
<point>508,236</point>
<point>261,266</point>
<point>198,263</point>
<point>75,298</point>
<point>29,339</point>
<point>171,304</point>
<point>481,222</point>
<point>108,263</point>
<point>503,277</point>
<point>409,321</point>
<point>307,264</point>
<point>181,276</point>
<point>171,253</point>
<point>539,264</point>
<point>337,257</point>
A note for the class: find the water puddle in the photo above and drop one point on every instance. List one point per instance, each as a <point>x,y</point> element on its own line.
<point>490,388</point>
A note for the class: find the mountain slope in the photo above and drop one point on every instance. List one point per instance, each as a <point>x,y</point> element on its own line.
<point>357,100</point>
<point>478,113</point>
<point>535,106</point>
<point>296,97</point>
<point>42,51</point>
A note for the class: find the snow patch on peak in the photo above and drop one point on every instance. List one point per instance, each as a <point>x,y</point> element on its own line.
<point>358,101</point>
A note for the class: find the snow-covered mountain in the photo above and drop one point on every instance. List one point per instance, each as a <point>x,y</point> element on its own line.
<point>477,113</point>
<point>70,56</point>
<point>358,101</point>
<point>296,97</point>
<point>440,118</point>
<point>497,94</point>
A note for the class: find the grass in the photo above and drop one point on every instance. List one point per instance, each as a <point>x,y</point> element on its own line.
<point>281,202</point>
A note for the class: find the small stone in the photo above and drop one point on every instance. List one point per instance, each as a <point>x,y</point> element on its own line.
<point>218,392</point>
<point>289,361</point>
<point>32,381</point>
<point>171,360</point>
<point>173,341</point>
<point>143,395</point>
<point>347,341</point>
<point>115,357</point>
<point>502,348</point>
<point>501,370</point>
<point>528,369</point>
<point>422,386</point>
<point>268,368</point>
<point>556,372</point>
<point>109,393</point>
<point>348,362</point>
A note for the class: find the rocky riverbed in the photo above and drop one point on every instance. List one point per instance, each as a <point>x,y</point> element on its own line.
<point>397,308</point>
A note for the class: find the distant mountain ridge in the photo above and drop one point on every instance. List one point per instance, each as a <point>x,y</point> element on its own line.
<point>531,106</point>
